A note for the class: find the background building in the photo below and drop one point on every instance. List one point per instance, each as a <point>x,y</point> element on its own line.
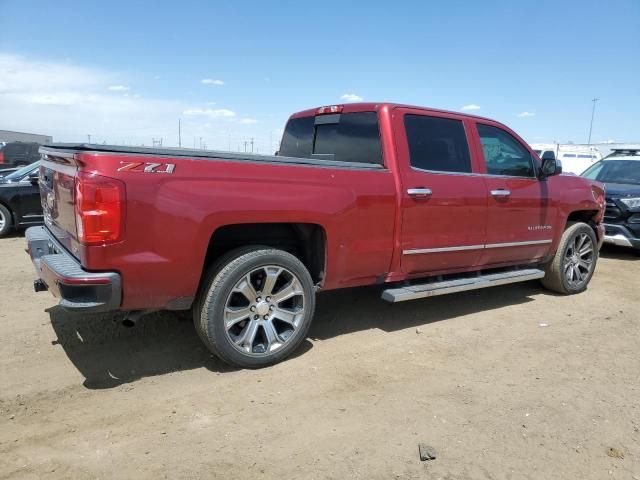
<point>9,136</point>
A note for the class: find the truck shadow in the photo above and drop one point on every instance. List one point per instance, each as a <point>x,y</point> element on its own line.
<point>108,354</point>
<point>351,310</point>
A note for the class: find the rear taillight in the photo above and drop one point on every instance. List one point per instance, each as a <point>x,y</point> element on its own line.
<point>100,205</point>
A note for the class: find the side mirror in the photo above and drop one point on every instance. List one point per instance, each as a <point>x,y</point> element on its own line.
<point>34,178</point>
<point>550,167</point>
<point>548,154</point>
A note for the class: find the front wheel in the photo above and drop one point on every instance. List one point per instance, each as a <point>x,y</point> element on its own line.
<point>256,307</point>
<point>574,262</point>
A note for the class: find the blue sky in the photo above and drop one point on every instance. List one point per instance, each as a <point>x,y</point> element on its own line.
<point>124,72</point>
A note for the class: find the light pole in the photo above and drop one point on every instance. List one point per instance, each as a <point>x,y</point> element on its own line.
<point>593,113</point>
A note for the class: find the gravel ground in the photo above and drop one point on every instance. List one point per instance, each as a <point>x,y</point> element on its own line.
<point>506,383</point>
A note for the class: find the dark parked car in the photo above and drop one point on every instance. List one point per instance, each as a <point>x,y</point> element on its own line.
<point>620,172</point>
<point>18,154</point>
<point>20,199</point>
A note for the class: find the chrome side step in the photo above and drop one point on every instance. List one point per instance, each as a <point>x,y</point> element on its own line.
<point>432,289</point>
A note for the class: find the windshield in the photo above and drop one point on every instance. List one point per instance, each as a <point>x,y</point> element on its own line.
<point>615,171</point>
<point>21,172</point>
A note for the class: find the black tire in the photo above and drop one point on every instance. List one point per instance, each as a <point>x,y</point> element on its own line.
<point>558,275</point>
<point>217,290</point>
<point>6,220</point>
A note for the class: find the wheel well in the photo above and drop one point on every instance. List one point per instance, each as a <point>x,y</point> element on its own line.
<point>304,240</point>
<point>585,216</point>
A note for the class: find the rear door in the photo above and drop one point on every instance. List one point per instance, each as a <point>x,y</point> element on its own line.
<point>444,201</point>
<point>521,215</point>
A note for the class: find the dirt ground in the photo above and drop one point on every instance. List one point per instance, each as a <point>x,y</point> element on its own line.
<point>505,383</point>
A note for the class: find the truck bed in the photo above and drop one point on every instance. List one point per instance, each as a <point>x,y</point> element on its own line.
<point>204,155</point>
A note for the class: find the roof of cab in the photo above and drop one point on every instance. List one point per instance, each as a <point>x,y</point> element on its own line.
<point>375,106</point>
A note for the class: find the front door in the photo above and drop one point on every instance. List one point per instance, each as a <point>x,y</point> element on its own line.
<point>444,201</point>
<point>521,216</point>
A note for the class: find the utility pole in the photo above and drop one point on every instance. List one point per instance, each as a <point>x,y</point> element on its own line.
<point>89,138</point>
<point>593,113</point>
<point>179,134</point>
<point>245,146</point>
<point>251,144</point>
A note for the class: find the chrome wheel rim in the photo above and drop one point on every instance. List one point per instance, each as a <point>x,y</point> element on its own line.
<point>264,310</point>
<point>2,221</point>
<point>579,260</point>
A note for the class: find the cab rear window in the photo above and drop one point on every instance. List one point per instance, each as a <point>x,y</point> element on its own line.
<point>348,137</point>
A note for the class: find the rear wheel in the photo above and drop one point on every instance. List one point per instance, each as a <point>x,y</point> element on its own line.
<point>5,221</point>
<point>256,307</point>
<point>573,265</point>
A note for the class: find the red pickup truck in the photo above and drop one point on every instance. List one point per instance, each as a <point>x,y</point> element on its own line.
<point>424,201</point>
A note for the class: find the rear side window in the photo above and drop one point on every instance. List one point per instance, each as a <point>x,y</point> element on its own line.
<point>437,144</point>
<point>503,154</point>
<point>347,137</point>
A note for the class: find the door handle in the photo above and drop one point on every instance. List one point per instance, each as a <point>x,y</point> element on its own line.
<point>500,193</point>
<point>419,192</point>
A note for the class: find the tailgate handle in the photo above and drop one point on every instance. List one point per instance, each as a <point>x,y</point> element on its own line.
<point>420,192</point>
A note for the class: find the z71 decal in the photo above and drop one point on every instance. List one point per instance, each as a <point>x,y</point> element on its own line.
<point>147,167</point>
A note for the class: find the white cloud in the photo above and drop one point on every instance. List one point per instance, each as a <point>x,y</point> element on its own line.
<point>70,101</point>
<point>526,114</point>
<point>210,112</point>
<point>471,106</point>
<point>211,81</point>
<point>249,121</point>
<point>351,97</point>
<point>118,88</point>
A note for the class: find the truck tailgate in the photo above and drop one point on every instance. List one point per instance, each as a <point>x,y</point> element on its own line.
<point>57,198</point>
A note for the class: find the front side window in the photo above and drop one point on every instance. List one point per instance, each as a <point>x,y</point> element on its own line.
<point>437,144</point>
<point>503,154</point>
